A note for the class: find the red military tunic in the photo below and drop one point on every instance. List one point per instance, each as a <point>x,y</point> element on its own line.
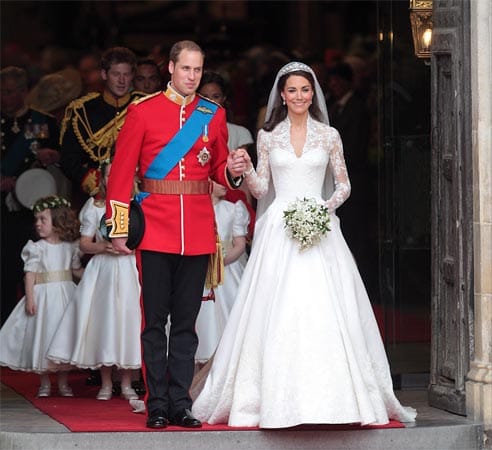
<point>180,224</point>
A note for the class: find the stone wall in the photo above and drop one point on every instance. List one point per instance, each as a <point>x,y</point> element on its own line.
<point>479,384</point>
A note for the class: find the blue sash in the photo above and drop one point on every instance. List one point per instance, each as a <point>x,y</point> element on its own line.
<point>180,144</point>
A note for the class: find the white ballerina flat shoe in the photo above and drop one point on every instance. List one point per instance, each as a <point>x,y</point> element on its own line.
<point>105,393</point>
<point>44,391</point>
<point>129,393</point>
<point>138,406</point>
<point>65,391</point>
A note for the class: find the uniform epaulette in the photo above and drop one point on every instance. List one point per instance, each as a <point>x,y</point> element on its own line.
<point>78,102</point>
<point>146,97</point>
<point>46,113</point>
<point>209,100</point>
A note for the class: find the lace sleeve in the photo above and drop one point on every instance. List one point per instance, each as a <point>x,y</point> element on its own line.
<point>339,170</point>
<point>258,179</point>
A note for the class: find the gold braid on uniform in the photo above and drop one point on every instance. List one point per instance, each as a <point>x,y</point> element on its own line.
<point>215,269</point>
<point>97,145</point>
<point>75,104</point>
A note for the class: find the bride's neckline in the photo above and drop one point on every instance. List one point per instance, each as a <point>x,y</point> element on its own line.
<point>298,136</point>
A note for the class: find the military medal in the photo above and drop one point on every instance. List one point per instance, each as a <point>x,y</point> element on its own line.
<point>29,131</point>
<point>34,146</point>
<point>15,127</point>
<point>203,156</point>
<point>41,130</point>
<point>205,133</point>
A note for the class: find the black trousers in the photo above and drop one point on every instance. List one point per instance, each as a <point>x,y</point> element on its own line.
<point>172,285</point>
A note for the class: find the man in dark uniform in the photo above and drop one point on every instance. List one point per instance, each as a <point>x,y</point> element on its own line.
<point>92,123</point>
<point>349,115</point>
<point>178,141</point>
<point>29,138</point>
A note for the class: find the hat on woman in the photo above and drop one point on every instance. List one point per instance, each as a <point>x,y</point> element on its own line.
<point>55,90</point>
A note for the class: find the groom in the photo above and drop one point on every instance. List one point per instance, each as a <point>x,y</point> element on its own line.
<point>178,141</point>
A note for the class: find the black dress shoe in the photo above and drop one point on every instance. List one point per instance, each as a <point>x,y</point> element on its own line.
<point>157,421</point>
<point>184,418</point>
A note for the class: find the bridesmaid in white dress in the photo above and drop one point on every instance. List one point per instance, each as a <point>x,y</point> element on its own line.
<point>301,345</point>
<point>101,327</point>
<point>232,225</point>
<point>49,264</point>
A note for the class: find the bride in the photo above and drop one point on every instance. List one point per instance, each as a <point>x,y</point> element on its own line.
<point>302,345</point>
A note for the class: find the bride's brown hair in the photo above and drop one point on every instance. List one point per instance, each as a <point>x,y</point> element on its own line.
<point>279,112</point>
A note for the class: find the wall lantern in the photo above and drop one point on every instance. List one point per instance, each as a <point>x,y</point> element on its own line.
<point>421,20</point>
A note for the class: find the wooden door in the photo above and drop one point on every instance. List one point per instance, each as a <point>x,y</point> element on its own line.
<point>451,212</point>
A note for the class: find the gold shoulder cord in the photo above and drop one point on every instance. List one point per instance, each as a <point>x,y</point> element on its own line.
<point>100,142</point>
<point>69,110</point>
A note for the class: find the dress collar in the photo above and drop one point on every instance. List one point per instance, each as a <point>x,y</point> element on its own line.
<point>286,122</point>
<point>116,102</point>
<point>176,97</point>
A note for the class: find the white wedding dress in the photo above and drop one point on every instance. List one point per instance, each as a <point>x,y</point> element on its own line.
<point>302,345</point>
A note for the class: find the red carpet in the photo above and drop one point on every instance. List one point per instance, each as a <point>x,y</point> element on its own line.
<point>398,326</point>
<point>83,413</point>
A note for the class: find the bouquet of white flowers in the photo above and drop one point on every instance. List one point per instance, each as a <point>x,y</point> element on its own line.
<point>307,221</point>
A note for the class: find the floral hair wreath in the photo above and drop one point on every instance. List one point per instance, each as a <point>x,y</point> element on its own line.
<point>51,202</point>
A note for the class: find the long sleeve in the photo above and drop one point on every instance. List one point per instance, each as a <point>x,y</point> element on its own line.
<point>339,170</point>
<point>258,180</point>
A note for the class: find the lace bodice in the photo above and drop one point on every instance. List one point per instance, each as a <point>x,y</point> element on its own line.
<point>297,177</point>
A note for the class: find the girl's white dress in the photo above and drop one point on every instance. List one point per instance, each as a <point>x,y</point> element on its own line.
<point>24,339</point>
<point>232,220</point>
<point>102,325</point>
<point>301,345</point>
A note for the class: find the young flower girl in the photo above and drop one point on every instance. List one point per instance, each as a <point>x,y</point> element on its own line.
<point>49,264</point>
<point>232,221</point>
<point>101,327</point>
